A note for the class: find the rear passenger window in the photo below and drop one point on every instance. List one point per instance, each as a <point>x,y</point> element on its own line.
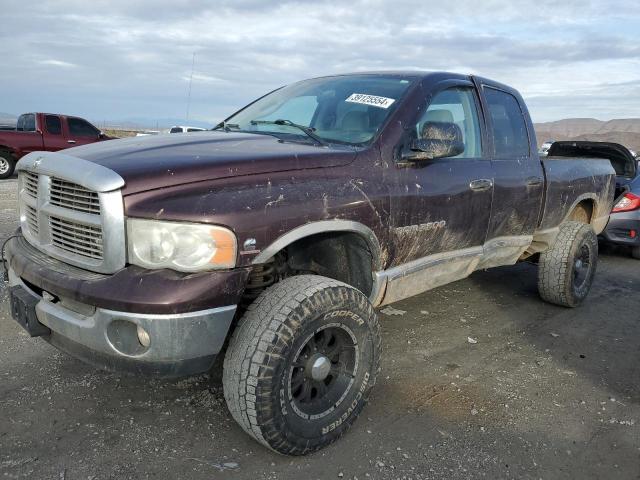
<point>510,138</point>
<point>52,122</point>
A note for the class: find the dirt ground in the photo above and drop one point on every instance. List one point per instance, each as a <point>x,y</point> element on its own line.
<point>546,392</point>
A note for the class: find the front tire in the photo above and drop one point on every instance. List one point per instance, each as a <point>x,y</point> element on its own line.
<point>7,164</point>
<point>301,363</point>
<point>567,268</point>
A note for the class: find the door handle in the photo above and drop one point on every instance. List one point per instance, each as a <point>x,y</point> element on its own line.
<point>71,141</point>
<point>481,184</point>
<point>534,181</point>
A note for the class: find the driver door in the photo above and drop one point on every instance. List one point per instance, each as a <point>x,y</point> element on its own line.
<point>442,206</point>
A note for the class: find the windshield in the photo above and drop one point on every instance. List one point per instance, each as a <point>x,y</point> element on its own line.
<point>349,109</point>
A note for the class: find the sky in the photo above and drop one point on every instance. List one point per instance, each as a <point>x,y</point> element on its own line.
<point>131,60</point>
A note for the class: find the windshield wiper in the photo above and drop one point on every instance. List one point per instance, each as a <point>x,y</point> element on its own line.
<point>226,126</point>
<point>308,130</point>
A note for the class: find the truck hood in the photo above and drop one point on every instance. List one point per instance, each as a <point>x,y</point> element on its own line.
<point>151,162</point>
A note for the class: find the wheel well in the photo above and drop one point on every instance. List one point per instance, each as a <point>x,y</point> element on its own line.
<point>4,148</point>
<point>583,212</point>
<point>343,256</point>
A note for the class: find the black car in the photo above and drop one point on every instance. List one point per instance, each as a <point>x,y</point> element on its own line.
<point>624,223</point>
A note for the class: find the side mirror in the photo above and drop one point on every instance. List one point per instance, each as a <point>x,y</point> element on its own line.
<point>438,140</point>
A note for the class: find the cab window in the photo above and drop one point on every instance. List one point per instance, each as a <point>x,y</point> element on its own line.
<point>510,138</point>
<point>53,124</point>
<point>455,106</point>
<point>81,128</point>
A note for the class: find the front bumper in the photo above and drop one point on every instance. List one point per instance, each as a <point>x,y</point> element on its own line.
<point>180,343</point>
<point>620,226</point>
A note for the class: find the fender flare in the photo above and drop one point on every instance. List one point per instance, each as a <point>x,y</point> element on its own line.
<point>324,226</point>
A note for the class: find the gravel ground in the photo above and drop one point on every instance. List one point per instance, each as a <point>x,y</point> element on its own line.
<point>546,392</point>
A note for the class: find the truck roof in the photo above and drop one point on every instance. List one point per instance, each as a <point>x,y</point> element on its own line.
<point>49,113</point>
<point>424,74</point>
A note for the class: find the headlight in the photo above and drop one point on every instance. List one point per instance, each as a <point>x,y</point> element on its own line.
<point>187,247</point>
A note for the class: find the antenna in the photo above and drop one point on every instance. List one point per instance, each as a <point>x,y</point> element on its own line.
<point>193,62</point>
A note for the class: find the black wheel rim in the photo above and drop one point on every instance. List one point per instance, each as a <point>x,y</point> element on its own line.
<point>581,266</point>
<point>323,371</point>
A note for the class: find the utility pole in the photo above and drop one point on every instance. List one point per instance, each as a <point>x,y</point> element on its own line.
<point>193,63</point>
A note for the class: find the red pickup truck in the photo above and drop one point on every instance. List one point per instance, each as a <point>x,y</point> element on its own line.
<point>43,131</point>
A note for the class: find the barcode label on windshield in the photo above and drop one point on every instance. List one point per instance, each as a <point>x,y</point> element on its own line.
<point>374,101</point>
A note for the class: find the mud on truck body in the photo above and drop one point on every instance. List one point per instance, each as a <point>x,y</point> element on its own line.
<point>272,239</point>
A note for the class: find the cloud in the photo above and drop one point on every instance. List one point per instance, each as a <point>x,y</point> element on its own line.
<point>201,78</point>
<point>133,59</point>
<point>57,63</point>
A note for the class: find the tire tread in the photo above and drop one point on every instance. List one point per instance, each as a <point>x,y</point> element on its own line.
<point>262,325</point>
<point>555,265</point>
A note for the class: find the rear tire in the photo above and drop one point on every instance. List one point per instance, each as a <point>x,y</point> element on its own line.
<point>635,252</point>
<point>567,268</point>
<point>7,164</point>
<point>301,363</point>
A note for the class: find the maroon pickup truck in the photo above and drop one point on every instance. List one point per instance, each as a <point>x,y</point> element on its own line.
<point>43,131</point>
<point>270,241</point>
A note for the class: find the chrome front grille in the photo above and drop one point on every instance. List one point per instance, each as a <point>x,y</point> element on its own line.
<point>31,184</point>
<point>74,197</point>
<point>70,218</point>
<point>32,219</point>
<point>76,238</point>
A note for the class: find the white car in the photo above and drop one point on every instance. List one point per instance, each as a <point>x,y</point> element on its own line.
<point>146,133</point>
<point>184,129</point>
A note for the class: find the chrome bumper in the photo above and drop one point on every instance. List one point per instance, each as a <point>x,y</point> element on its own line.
<point>178,344</point>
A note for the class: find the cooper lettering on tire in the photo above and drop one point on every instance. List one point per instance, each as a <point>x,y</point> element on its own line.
<point>301,363</point>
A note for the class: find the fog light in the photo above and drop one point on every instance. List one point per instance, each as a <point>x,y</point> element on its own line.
<point>143,337</point>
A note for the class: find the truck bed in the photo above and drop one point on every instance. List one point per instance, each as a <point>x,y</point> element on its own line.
<point>572,180</point>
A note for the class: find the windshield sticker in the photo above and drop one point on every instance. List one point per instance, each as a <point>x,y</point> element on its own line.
<point>382,102</point>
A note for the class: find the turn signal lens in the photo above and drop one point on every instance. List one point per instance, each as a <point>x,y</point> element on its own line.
<point>627,203</point>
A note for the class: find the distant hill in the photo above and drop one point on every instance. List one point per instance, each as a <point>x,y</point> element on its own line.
<point>625,131</point>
